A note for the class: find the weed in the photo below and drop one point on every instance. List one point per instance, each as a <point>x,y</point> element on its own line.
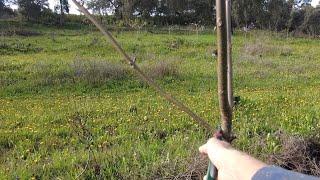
<point>298,154</point>
<point>260,48</point>
<point>20,32</point>
<point>98,72</point>
<point>162,69</point>
<point>12,48</point>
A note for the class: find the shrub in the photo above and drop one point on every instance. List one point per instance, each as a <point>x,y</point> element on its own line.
<point>311,22</point>
<point>258,48</point>
<point>91,72</point>
<point>298,154</point>
<point>161,69</point>
<point>98,72</point>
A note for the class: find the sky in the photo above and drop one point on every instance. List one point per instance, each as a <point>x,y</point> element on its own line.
<point>73,8</point>
<point>315,2</point>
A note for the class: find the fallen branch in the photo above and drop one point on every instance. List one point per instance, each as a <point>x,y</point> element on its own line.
<point>151,83</point>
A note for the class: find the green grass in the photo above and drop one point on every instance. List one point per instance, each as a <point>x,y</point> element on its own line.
<point>54,124</point>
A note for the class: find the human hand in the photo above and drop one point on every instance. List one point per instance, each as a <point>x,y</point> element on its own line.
<point>231,164</point>
<point>214,149</point>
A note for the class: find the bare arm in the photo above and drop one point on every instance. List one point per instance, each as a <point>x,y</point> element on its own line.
<point>232,164</point>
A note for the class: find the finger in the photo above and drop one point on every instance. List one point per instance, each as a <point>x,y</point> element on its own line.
<point>203,149</point>
<point>205,177</point>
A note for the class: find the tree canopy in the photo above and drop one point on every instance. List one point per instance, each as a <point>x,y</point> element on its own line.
<point>32,9</point>
<point>291,15</point>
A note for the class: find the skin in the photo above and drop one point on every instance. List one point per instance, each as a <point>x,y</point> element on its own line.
<point>231,163</point>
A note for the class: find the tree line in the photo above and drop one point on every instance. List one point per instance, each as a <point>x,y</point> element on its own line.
<point>278,15</point>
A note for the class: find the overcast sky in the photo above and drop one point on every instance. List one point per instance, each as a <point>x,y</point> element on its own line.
<point>73,9</point>
<point>315,2</point>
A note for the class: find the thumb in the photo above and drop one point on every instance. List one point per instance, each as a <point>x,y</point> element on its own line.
<point>203,149</point>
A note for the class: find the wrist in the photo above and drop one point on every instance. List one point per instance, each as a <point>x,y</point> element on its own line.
<point>228,157</point>
<point>219,153</point>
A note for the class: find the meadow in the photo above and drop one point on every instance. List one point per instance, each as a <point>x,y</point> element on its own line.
<point>71,108</point>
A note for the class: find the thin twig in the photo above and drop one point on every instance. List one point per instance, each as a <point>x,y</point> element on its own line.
<point>147,79</point>
<point>85,168</point>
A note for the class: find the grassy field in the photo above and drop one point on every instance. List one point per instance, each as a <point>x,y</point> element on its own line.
<point>70,108</point>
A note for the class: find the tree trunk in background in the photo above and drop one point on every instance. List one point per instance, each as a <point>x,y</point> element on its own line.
<point>225,110</point>
<point>229,35</point>
<point>61,13</point>
<point>127,10</point>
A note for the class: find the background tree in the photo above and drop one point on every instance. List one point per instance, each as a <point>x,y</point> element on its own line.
<point>62,8</point>
<point>2,5</point>
<point>124,9</point>
<point>203,11</point>
<point>32,9</point>
<point>185,12</point>
<point>5,10</point>
<point>304,2</point>
<point>296,19</point>
<point>311,23</point>
<point>245,12</point>
<point>278,14</point>
<point>291,15</point>
<point>101,7</point>
<point>145,8</point>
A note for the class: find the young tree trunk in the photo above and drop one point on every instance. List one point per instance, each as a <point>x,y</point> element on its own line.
<point>230,72</point>
<point>225,110</point>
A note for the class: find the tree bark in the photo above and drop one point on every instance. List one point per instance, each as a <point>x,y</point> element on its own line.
<point>229,50</point>
<point>225,110</point>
